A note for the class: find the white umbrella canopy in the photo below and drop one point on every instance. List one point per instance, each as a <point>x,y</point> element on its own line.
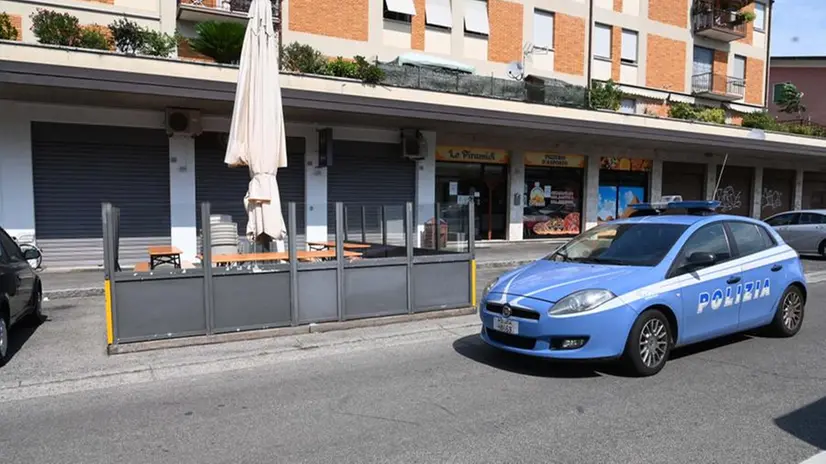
<point>257,137</point>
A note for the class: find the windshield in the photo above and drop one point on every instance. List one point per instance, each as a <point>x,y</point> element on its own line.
<point>624,244</point>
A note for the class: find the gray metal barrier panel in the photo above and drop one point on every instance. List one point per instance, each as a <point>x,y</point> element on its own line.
<point>160,308</point>
<point>441,285</point>
<point>251,300</point>
<point>375,291</point>
<point>317,295</point>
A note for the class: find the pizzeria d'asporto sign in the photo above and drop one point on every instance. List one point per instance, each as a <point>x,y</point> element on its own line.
<point>472,155</point>
<point>554,160</point>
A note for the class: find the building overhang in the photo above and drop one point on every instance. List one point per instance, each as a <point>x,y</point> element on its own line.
<point>81,72</point>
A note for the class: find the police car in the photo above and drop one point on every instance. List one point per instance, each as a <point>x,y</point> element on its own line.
<point>672,274</point>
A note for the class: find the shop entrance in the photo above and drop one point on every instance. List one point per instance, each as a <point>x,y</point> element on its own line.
<point>461,178</point>
<point>553,195</point>
<point>622,183</point>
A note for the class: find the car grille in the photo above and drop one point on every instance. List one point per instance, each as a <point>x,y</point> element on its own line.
<point>515,341</point>
<point>516,312</point>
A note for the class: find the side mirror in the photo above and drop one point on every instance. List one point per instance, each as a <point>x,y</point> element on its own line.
<point>700,259</point>
<point>31,253</point>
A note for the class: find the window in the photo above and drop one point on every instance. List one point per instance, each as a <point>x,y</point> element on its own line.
<point>543,29</point>
<point>810,218</point>
<point>629,47</point>
<point>438,13</point>
<point>709,239</point>
<point>628,106</point>
<point>10,248</point>
<point>740,67</point>
<point>747,237</point>
<point>783,219</point>
<point>777,91</point>
<point>602,41</point>
<point>476,17</point>
<point>630,244</point>
<point>767,236</point>
<point>759,17</point>
<point>399,10</point>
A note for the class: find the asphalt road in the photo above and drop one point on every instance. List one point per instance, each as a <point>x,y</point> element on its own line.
<point>445,397</point>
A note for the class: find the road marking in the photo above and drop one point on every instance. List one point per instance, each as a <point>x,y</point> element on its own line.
<point>819,458</point>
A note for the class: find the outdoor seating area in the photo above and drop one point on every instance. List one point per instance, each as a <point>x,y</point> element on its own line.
<point>382,266</point>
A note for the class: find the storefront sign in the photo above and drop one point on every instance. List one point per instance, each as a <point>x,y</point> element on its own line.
<point>625,164</point>
<point>471,155</point>
<point>554,160</point>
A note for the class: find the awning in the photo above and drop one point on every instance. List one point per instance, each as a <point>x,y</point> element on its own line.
<point>438,13</point>
<point>430,61</point>
<point>476,17</point>
<point>401,6</point>
<point>743,108</point>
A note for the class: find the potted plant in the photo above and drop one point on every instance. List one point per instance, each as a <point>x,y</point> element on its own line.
<point>743,17</point>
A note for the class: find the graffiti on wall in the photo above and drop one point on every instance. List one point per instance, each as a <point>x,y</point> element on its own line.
<point>729,198</point>
<point>771,199</point>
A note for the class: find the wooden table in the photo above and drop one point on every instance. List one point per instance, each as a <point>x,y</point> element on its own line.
<point>164,255</point>
<point>279,256</point>
<point>332,244</point>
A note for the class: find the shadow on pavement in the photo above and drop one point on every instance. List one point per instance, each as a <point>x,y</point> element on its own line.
<point>714,344</point>
<point>807,423</point>
<point>19,334</point>
<point>473,348</point>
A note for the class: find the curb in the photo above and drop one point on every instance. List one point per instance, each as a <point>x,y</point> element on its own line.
<point>151,345</point>
<point>98,291</point>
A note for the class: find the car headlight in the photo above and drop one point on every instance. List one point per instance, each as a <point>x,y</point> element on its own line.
<point>488,287</point>
<point>581,301</point>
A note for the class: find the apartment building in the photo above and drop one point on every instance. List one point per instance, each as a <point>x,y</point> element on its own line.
<point>498,124</point>
<point>807,73</point>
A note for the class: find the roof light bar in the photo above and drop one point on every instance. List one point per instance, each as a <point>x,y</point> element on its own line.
<point>697,205</point>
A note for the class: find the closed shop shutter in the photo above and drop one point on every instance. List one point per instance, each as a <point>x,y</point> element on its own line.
<point>814,190</point>
<point>735,190</point>
<point>78,167</point>
<point>684,179</point>
<point>371,175</point>
<point>778,191</point>
<point>225,187</point>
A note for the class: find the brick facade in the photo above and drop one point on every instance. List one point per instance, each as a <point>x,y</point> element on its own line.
<point>720,71</point>
<point>674,12</point>
<point>345,19</point>
<point>17,23</point>
<point>569,44</point>
<point>749,39</point>
<point>206,3</point>
<point>185,52</point>
<point>505,40</point>
<point>665,63</point>
<point>618,5</point>
<point>616,52</point>
<point>754,81</point>
<point>418,25</point>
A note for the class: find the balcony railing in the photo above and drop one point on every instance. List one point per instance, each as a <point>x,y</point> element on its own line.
<point>718,86</point>
<point>233,7</point>
<point>550,92</point>
<point>719,25</point>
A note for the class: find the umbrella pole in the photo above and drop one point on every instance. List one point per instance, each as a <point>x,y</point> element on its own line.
<point>266,242</point>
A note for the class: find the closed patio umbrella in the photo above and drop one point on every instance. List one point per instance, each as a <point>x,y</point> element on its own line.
<point>257,138</point>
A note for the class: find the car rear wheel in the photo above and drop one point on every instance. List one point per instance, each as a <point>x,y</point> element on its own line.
<point>649,344</point>
<point>37,315</point>
<point>788,317</point>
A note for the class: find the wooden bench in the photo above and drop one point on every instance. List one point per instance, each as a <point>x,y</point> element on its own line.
<point>164,255</point>
<point>142,267</point>
<point>332,244</point>
<point>280,256</point>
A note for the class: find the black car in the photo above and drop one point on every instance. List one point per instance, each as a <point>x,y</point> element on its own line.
<point>21,293</point>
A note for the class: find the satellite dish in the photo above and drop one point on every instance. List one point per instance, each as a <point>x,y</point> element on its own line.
<point>515,70</point>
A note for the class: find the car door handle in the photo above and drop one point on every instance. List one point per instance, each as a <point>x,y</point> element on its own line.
<point>777,267</point>
<point>733,280</point>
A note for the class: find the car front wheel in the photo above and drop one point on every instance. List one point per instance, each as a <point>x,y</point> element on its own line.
<point>788,317</point>
<point>649,344</point>
<point>4,339</point>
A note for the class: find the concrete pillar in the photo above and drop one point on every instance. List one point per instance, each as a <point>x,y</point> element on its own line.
<point>711,180</point>
<point>16,181</point>
<point>757,193</point>
<point>655,180</point>
<point>516,188</point>
<point>315,188</point>
<point>183,208</point>
<point>425,185</point>
<point>591,200</point>
<point>797,202</point>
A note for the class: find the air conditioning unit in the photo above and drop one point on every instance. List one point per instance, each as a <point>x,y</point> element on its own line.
<point>181,121</point>
<point>413,145</point>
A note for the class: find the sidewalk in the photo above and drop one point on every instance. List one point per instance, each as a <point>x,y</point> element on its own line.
<point>80,284</point>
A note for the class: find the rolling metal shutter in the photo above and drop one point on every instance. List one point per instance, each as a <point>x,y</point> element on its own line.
<point>778,191</point>
<point>686,179</point>
<point>76,168</point>
<point>735,190</point>
<point>225,187</point>
<point>814,190</point>
<point>371,175</point>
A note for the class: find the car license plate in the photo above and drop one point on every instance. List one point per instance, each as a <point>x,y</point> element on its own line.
<point>506,325</point>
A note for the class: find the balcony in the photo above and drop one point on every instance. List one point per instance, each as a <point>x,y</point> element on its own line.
<point>219,10</point>
<point>718,87</point>
<point>719,25</point>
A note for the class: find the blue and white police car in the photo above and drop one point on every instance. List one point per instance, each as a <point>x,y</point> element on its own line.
<point>632,289</point>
